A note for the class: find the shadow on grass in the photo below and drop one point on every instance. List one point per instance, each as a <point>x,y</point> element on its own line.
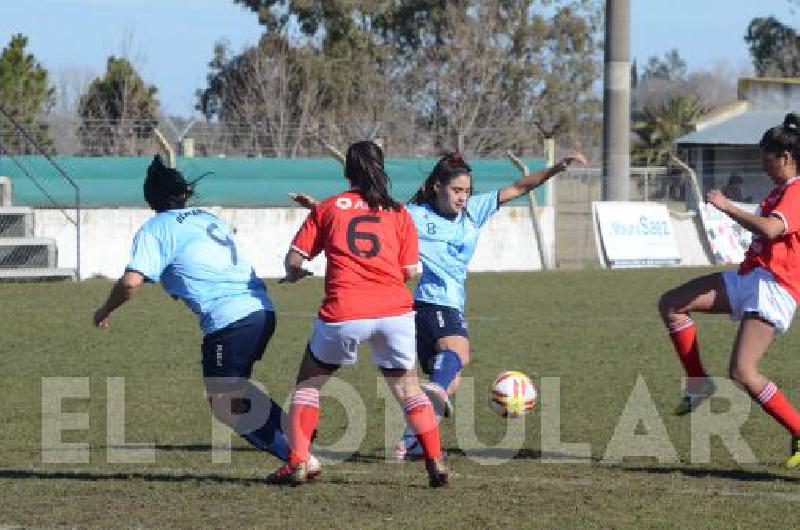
<point>520,454</point>
<point>377,479</point>
<point>742,475</point>
<point>25,474</point>
<point>189,448</point>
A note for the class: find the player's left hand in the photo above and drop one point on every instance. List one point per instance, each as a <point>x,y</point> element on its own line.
<point>100,318</point>
<point>306,201</point>
<point>575,157</point>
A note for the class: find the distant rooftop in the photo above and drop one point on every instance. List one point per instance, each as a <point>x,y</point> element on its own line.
<point>744,129</point>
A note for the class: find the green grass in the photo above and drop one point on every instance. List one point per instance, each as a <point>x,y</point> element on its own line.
<point>595,330</point>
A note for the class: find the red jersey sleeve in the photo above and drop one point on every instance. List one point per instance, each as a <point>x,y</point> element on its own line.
<point>788,208</point>
<point>309,239</point>
<point>409,242</point>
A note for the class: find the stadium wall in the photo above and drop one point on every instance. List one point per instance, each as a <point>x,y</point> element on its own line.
<point>507,241</point>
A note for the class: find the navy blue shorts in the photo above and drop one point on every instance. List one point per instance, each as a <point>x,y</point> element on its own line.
<point>434,322</point>
<point>232,351</point>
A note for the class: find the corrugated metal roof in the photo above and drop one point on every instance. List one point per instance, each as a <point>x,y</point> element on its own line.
<point>744,129</point>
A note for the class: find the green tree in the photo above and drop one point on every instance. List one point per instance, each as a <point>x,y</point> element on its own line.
<point>672,67</point>
<point>774,48</point>
<point>657,127</point>
<point>478,75</point>
<point>118,112</point>
<point>25,93</point>
<point>269,91</point>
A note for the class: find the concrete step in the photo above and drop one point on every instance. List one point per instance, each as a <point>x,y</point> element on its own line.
<point>36,275</point>
<point>5,191</point>
<point>16,221</point>
<point>28,253</point>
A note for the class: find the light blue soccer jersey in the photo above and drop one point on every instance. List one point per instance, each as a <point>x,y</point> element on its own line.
<point>446,246</point>
<point>193,254</point>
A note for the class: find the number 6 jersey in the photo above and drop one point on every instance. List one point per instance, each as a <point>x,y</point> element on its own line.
<point>366,252</point>
<point>193,254</point>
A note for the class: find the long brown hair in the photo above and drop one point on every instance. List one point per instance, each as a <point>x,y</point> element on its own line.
<point>446,169</point>
<point>364,169</point>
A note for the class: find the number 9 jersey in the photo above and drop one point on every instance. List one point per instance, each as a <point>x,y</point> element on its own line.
<point>193,254</point>
<point>366,252</point>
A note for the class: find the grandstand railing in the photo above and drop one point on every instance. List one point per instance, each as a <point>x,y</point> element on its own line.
<point>34,147</point>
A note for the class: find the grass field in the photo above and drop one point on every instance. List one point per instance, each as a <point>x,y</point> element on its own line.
<point>595,330</point>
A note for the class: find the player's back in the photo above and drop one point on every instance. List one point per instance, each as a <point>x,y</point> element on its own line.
<point>366,252</point>
<point>194,256</point>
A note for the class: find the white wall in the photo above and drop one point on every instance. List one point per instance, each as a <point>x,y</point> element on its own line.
<point>687,234</point>
<point>507,241</point>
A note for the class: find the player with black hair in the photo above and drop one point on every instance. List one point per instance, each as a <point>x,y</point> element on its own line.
<point>762,294</point>
<point>192,253</point>
<point>370,243</point>
<point>449,218</point>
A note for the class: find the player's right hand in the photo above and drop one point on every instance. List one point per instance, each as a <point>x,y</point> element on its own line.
<point>295,274</point>
<point>306,201</point>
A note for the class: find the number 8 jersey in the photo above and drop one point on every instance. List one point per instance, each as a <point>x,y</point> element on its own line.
<point>193,254</point>
<point>366,252</point>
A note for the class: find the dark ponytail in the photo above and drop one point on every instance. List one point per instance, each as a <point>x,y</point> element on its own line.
<point>363,167</point>
<point>165,188</point>
<point>784,137</point>
<point>446,169</point>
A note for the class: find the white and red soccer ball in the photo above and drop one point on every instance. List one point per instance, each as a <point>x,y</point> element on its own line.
<point>512,394</point>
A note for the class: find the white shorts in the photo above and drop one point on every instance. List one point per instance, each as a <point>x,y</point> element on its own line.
<point>391,339</point>
<point>759,292</point>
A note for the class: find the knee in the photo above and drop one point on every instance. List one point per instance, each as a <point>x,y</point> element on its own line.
<point>464,357</point>
<point>666,305</point>
<point>454,385</point>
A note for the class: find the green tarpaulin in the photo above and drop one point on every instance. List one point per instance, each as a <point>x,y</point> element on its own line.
<point>235,182</point>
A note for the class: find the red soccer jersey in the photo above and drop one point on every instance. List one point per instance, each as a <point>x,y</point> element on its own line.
<point>366,252</point>
<point>780,256</point>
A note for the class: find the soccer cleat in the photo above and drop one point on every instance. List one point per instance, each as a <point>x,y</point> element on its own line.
<point>794,453</point>
<point>691,399</point>
<point>290,475</point>
<point>313,468</point>
<point>439,398</point>
<point>408,450</point>
<point>438,475</point>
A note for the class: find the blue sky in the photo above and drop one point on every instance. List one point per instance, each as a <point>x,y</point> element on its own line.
<point>171,41</point>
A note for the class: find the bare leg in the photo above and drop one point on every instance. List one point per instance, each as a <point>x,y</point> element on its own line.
<point>705,294</point>
<point>752,340</point>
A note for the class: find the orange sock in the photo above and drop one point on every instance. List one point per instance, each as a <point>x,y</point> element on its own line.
<point>421,417</point>
<point>775,403</point>
<point>684,338</point>
<point>303,418</point>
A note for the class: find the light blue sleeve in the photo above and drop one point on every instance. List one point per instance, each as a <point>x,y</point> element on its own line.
<point>481,207</point>
<point>148,255</point>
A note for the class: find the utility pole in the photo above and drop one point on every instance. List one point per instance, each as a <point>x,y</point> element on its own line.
<point>617,102</point>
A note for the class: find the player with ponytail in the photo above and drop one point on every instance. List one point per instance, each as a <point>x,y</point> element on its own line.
<point>449,218</point>
<point>762,294</point>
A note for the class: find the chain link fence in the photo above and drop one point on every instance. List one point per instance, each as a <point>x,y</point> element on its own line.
<point>576,189</point>
<point>21,249</point>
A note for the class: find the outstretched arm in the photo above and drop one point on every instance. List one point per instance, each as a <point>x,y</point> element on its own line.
<point>532,180</point>
<point>766,227</point>
<point>122,291</point>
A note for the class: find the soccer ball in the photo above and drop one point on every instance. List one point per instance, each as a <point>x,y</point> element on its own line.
<point>512,394</point>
